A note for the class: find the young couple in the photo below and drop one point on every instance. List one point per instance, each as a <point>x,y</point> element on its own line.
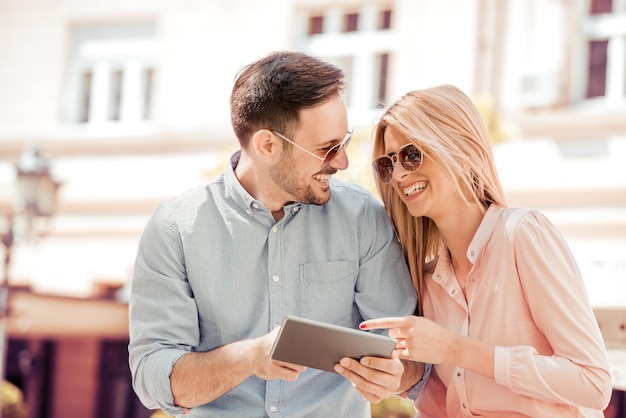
<point>487,295</point>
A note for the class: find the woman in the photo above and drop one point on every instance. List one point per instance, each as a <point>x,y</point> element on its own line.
<point>506,320</point>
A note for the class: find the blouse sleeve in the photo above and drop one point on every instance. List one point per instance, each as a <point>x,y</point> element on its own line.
<point>577,373</point>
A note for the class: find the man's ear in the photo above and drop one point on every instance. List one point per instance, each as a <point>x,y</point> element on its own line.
<point>266,145</point>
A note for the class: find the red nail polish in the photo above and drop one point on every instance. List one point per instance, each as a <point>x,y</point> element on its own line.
<point>362,326</point>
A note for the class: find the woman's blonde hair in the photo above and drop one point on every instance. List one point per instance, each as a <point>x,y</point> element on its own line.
<point>447,128</point>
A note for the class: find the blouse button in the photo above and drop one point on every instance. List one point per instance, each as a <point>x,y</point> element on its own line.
<point>274,229</point>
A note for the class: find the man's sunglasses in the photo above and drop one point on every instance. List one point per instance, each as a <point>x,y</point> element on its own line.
<point>330,154</point>
<point>408,155</point>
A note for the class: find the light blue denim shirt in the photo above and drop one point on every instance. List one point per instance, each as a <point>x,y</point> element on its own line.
<point>214,267</point>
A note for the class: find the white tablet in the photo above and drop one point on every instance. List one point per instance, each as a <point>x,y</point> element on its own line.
<point>320,345</point>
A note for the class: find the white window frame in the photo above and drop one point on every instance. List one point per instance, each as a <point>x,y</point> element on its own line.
<point>103,50</point>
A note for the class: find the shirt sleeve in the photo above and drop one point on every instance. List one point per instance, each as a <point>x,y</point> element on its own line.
<point>577,371</point>
<point>160,299</point>
<point>384,286</point>
<point>417,389</point>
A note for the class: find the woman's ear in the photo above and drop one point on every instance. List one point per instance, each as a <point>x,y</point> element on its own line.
<point>267,146</point>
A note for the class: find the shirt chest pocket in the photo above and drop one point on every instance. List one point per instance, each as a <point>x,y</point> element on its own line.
<point>327,291</point>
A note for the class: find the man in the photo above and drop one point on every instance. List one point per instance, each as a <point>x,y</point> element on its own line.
<point>220,266</point>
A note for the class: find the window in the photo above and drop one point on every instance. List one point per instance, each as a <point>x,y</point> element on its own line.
<point>84,96</point>
<point>346,63</point>
<point>351,22</point>
<point>385,20</point>
<point>110,75</point>
<point>540,56</point>
<point>603,49</point>
<point>600,6</point>
<point>624,73</point>
<point>383,67</point>
<point>316,25</point>
<point>115,94</point>
<point>596,75</point>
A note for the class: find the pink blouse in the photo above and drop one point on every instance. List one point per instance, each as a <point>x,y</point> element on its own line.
<point>525,295</point>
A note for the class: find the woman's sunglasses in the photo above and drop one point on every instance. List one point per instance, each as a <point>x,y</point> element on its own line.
<point>409,156</point>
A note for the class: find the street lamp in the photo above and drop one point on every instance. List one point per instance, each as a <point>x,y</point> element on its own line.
<point>36,197</point>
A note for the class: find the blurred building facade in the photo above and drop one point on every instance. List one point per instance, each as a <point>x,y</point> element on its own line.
<point>130,100</point>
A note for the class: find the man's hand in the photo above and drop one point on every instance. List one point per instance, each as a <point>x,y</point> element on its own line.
<point>374,378</point>
<point>228,366</point>
<point>266,368</point>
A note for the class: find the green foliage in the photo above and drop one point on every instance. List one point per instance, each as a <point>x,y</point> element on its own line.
<point>496,126</point>
<point>393,407</point>
<point>359,152</point>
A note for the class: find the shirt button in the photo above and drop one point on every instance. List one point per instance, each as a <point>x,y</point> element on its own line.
<point>458,374</point>
<point>472,253</point>
<point>274,229</point>
<point>248,211</point>
<point>437,276</point>
<point>453,291</point>
<point>275,278</point>
<point>273,408</point>
<point>255,205</point>
<point>296,209</point>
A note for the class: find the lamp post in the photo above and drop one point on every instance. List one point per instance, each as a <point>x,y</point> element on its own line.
<point>36,197</point>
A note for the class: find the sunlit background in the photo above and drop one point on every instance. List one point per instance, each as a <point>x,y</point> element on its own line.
<point>129,103</point>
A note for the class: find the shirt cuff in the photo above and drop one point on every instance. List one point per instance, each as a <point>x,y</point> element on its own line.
<point>416,390</point>
<point>502,366</point>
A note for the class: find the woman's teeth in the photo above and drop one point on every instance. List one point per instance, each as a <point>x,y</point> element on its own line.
<point>414,188</point>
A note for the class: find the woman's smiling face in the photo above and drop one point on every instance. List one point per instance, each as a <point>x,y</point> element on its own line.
<point>426,191</point>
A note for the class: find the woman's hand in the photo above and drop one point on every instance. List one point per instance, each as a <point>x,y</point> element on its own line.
<point>417,338</point>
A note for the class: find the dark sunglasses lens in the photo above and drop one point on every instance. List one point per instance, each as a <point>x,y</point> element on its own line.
<point>332,153</point>
<point>410,158</point>
<point>384,169</point>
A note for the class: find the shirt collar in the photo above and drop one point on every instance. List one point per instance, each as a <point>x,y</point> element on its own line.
<point>234,189</point>
<point>485,230</point>
<point>442,271</point>
<point>236,192</point>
